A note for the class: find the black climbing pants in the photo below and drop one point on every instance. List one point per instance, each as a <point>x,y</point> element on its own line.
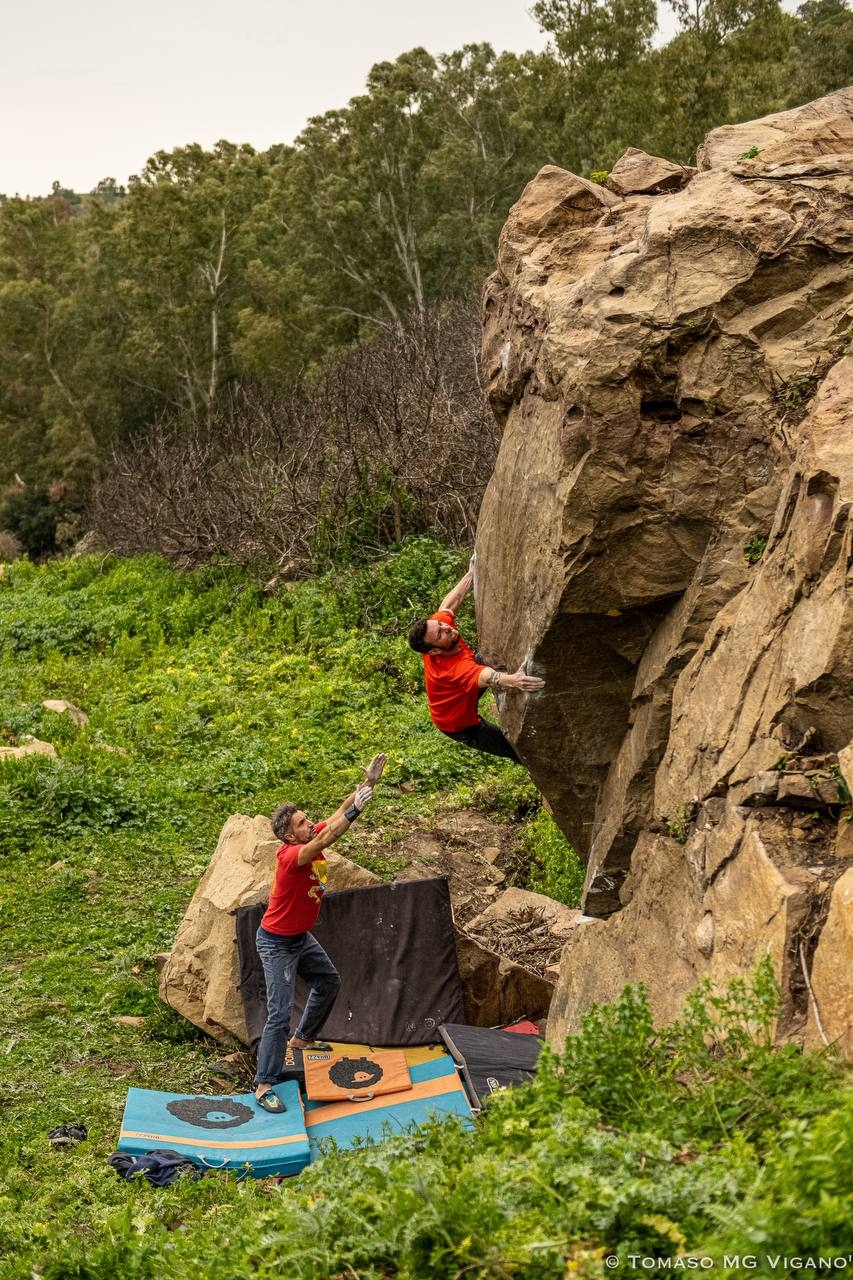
<point>487,737</point>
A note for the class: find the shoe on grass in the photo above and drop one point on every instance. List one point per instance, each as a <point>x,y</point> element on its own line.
<point>68,1135</point>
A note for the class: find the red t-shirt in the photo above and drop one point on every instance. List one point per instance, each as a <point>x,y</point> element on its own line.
<point>452,684</point>
<point>297,892</point>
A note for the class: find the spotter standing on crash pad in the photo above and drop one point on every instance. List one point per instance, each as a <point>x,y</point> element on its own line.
<point>285,945</point>
<point>455,680</point>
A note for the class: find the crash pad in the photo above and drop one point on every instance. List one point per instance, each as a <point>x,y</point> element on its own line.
<point>293,1067</point>
<point>354,1077</point>
<point>491,1060</point>
<point>395,948</point>
<point>220,1133</point>
<point>436,1091</point>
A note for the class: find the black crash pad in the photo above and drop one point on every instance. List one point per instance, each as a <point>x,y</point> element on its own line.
<point>491,1059</point>
<point>395,948</point>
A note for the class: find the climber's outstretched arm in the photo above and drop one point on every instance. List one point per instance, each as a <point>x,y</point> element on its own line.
<point>457,594</point>
<point>492,679</point>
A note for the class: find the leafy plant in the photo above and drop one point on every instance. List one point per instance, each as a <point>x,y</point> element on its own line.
<point>678,827</point>
<point>754,548</point>
<point>550,864</point>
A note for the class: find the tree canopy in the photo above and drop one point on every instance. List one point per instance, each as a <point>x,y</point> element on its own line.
<point>228,266</point>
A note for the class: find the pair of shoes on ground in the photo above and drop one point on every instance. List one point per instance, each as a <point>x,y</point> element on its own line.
<point>68,1135</point>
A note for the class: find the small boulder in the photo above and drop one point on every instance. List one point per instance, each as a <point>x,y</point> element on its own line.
<point>638,173</point>
<point>62,707</point>
<point>558,920</point>
<point>495,989</point>
<point>801,791</point>
<point>33,747</point>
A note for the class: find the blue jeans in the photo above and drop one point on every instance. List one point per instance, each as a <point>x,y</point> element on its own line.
<point>283,957</point>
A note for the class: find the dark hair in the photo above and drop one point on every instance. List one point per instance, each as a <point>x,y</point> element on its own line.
<point>416,636</point>
<point>282,818</point>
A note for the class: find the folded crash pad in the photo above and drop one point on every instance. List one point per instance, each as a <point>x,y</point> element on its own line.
<point>436,1091</point>
<point>354,1077</point>
<point>220,1133</point>
<point>491,1060</point>
<point>395,948</point>
<point>293,1067</point>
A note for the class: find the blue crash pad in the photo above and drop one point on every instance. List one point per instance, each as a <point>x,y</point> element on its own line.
<point>220,1133</point>
<point>436,1091</point>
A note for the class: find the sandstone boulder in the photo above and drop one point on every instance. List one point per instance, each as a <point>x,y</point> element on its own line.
<point>798,128</point>
<point>666,539</point>
<point>495,989</point>
<point>33,747</point>
<point>638,173</point>
<point>62,707</point>
<point>831,1006</point>
<point>554,918</point>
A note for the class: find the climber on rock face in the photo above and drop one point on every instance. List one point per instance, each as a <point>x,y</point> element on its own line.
<point>456,680</point>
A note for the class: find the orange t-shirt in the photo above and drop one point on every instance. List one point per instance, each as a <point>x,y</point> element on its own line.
<point>452,683</point>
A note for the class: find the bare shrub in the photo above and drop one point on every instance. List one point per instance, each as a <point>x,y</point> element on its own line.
<point>11,547</point>
<point>389,438</point>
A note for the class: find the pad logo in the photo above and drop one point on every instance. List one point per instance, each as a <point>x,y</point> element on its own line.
<point>351,1073</point>
<point>493,1084</point>
<point>210,1113</point>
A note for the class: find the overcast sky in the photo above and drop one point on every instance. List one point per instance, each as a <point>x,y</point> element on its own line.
<point>90,90</point>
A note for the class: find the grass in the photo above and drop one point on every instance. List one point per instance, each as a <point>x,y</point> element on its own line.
<point>226,700</point>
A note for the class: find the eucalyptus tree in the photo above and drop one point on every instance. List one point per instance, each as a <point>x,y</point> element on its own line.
<point>178,250</point>
<point>55,403</point>
<point>387,203</point>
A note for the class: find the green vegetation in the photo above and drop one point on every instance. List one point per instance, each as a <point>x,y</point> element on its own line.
<point>798,391</point>
<point>754,548</point>
<point>221,697</point>
<point>679,826</point>
<point>217,269</point>
<point>699,1138</point>
<point>554,868</point>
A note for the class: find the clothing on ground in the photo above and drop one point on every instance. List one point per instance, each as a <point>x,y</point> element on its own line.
<point>160,1167</point>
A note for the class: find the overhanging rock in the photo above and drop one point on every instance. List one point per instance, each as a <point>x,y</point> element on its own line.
<point>666,539</point>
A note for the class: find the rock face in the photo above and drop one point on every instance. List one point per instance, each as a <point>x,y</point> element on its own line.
<point>666,539</point>
<point>831,1006</point>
